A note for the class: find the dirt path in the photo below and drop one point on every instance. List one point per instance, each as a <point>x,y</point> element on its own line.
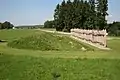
<point>111,38</point>
<point>55,31</point>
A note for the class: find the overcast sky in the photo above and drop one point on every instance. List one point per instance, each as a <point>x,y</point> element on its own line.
<point>32,12</point>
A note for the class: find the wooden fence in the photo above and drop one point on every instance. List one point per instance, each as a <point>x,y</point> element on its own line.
<point>94,36</point>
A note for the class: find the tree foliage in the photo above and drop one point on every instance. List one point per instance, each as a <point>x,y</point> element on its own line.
<point>49,24</point>
<point>6,25</point>
<point>114,29</point>
<point>0,25</point>
<point>81,14</point>
<point>102,7</point>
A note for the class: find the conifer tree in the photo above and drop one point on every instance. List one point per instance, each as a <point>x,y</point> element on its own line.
<point>89,14</point>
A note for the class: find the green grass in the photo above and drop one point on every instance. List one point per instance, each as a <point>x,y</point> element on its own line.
<point>31,68</point>
<point>114,44</point>
<point>50,29</point>
<point>47,41</point>
<point>10,35</point>
<point>63,64</point>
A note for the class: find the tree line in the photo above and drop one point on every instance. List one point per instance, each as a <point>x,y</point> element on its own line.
<point>113,29</point>
<point>6,25</point>
<point>49,24</point>
<point>85,14</point>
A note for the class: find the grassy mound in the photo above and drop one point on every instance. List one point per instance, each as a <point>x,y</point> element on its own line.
<point>47,41</point>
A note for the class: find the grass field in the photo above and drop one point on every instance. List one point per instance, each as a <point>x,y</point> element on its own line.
<point>45,41</point>
<point>73,64</point>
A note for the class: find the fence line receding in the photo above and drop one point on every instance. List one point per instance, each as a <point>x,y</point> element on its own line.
<point>93,36</point>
